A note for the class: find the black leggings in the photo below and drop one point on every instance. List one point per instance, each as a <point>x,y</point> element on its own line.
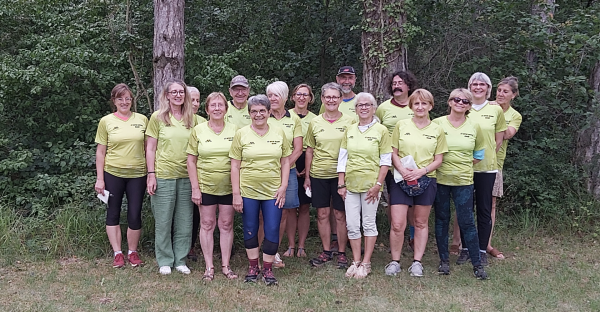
<point>135,189</point>
<point>484,184</point>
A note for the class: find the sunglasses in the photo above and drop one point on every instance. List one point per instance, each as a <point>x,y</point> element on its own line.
<point>458,100</point>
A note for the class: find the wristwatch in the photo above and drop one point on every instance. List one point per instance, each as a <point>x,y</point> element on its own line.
<point>341,186</point>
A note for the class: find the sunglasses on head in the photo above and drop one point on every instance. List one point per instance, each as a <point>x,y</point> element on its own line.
<point>458,100</point>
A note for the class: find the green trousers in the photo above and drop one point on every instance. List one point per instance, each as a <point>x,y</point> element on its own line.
<point>172,208</point>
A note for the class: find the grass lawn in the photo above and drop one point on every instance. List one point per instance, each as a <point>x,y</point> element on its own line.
<point>541,273</point>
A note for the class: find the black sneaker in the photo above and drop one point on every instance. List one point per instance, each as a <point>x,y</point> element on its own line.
<point>463,257</point>
<point>479,272</point>
<point>268,277</point>
<point>320,260</point>
<point>483,257</point>
<point>444,268</point>
<point>342,261</point>
<point>252,275</point>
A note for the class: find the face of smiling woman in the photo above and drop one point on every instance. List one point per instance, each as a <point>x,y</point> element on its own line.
<point>176,94</point>
<point>332,99</point>
<point>123,103</point>
<point>479,90</point>
<point>216,108</point>
<point>259,115</point>
<point>421,108</point>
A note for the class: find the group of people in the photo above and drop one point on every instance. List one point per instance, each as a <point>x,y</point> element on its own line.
<point>270,164</point>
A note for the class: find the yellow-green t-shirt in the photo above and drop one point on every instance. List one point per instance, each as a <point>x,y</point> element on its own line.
<point>389,114</point>
<point>260,170</point>
<point>364,151</point>
<point>513,119</point>
<point>325,138</point>
<point>124,140</point>
<point>214,164</point>
<point>457,167</point>
<point>292,127</point>
<point>239,117</point>
<point>347,108</point>
<point>171,157</point>
<point>422,144</point>
<point>490,119</point>
<point>305,122</point>
<point>199,119</point>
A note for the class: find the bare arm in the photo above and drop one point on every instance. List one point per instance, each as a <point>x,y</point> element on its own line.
<point>308,162</point>
<point>509,133</point>
<point>150,158</point>
<point>297,150</point>
<point>499,139</point>
<point>342,181</point>
<point>235,185</point>
<point>100,156</point>
<point>193,173</point>
<point>285,175</point>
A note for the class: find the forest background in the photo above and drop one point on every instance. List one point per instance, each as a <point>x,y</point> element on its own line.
<point>60,59</point>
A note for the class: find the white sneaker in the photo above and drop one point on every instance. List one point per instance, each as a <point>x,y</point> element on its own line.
<point>352,269</point>
<point>164,270</point>
<point>278,262</point>
<point>416,269</point>
<point>183,269</point>
<point>363,270</point>
<point>392,268</point>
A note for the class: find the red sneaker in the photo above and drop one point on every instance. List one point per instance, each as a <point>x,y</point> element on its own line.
<point>119,261</point>
<point>134,259</point>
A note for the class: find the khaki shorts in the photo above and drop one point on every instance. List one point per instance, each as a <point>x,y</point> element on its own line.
<point>498,190</point>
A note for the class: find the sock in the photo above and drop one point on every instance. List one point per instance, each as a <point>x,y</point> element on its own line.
<point>334,237</point>
<point>118,252</point>
<point>482,251</point>
<point>416,261</point>
<point>130,252</point>
<point>268,265</point>
<point>328,253</point>
<point>343,253</point>
<point>253,262</point>
<point>397,260</point>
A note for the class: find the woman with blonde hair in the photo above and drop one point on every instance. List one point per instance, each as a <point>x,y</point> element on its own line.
<point>168,182</point>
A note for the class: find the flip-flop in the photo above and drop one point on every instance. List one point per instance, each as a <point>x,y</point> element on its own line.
<point>496,253</point>
<point>301,253</point>
<point>289,252</point>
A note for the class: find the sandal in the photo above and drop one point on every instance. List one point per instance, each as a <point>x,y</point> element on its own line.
<point>301,253</point>
<point>289,252</point>
<point>496,253</point>
<point>209,274</point>
<point>230,274</point>
<point>454,250</point>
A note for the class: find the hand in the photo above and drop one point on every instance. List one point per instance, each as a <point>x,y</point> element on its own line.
<point>302,173</point>
<point>342,192</point>
<point>99,187</point>
<point>196,196</point>
<point>414,174</point>
<point>373,194</point>
<point>151,184</point>
<point>238,203</point>
<point>307,184</point>
<point>280,196</point>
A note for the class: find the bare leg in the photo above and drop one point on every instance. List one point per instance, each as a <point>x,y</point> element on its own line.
<point>332,223</point>
<point>421,215</point>
<point>355,245</point>
<point>303,224</point>
<point>398,221</point>
<point>494,198</point>
<point>342,231</point>
<point>283,223</point>
<point>226,215</point>
<point>114,236</point>
<point>324,226</point>
<point>207,227</point>
<point>133,238</point>
<point>369,246</point>
<point>291,224</point>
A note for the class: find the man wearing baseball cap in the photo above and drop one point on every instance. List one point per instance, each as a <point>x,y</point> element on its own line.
<point>237,112</point>
<point>346,77</point>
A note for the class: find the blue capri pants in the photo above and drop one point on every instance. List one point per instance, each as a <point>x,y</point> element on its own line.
<point>271,219</point>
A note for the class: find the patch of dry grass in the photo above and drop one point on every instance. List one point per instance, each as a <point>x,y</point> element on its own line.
<point>541,273</point>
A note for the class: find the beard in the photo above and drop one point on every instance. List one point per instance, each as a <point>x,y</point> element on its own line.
<point>347,88</point>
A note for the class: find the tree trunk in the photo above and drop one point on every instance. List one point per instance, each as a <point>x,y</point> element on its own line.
<point>168,57</point>
<point>544,9</point>
<point>383,44</point>
<point>588,144</point>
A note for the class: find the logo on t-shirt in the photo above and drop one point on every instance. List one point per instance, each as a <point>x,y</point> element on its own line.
<point>429,137</point>
<point>274,142</point>
<point>340,129</point>
<point>228,139</point>
<point>208,141</point>
<point>137,126</point>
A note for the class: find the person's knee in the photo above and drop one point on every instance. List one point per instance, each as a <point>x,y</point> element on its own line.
<point>225,225</point>
<point>370,231</point>
<point>251,243</point>
<point>207,224</point>
<point>269,247</point>
<point>398,226</point>
<point>420,224</point>
<point>135,224</point>
<point>340,216</point>
<point>323,214</point>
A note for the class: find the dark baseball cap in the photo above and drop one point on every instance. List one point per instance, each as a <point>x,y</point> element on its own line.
<point>346,70</point>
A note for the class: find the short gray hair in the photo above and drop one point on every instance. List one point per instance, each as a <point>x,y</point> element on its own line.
<point>332,86</point>
<point>368,96</point>
<point>279,88</point>
<point>193,89</point>
<point>259,99</point>
<point>481,77</point>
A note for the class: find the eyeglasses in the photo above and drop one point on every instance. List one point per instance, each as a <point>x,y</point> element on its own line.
<point>331,98</point>
<point>215,105</point>
<point>262,112</point>
<point>298,94</point>
<point>124,99</point>
<point>364,105</point>
<point>175,92</point>
<point>458,100</point>
<point>478,84</point>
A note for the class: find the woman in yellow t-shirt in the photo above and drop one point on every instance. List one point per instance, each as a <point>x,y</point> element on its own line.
<point>364,160</point>
<point>259,175</point>
<point>455,179</point>
<point>323,139</point>
<point>425,141</point>
<point>169,185</point>
<point>303,97</point>
<point>209,168</point>
<point>507,90</point>
<point>121,169</point>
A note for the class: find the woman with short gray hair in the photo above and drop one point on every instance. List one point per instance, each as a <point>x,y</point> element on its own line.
<point>363,162</point>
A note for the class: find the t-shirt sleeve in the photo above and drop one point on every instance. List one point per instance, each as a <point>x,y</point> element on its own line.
<point>516,121</point>
<point>102,133</point>
<point>297,127</point>
<point>322,109</point>
<point>344,144</point>
<point>385,144</point>
<point>379,113</point>
<point>286,148</point>
<point>236,146</point>
<point>309,138</point>
<point>192,148</point>
<point>442,145</point>
<point>153,127</point>
<point>396,136</point>
<point>501,121</point>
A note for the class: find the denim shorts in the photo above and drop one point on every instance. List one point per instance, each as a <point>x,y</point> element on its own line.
<point>291,193</point>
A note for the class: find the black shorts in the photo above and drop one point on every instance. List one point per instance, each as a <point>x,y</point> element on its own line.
<point>389,179</point>
<point>399,197</point>
<point>209,200</point>
<point>324,194</point>
<point>301,191</point>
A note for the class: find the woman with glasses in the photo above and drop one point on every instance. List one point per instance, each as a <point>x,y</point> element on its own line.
<point>303,97</point>
<point>426,143</point>
<point>490,119</point>
<point>209,168</point>
<point>121,169</point>
<point>455,180</point>
<point>259,177</point>
<point>169,185</point>
<point>364,160</point>
<point>323,139</point>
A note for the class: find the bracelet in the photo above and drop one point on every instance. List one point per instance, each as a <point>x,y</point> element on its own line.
<point>426,170</point>
<point>378,183</point>
<point>341,186</point>
<point>149,172</point>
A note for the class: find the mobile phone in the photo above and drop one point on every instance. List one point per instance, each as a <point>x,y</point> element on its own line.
<point>413,182</point>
